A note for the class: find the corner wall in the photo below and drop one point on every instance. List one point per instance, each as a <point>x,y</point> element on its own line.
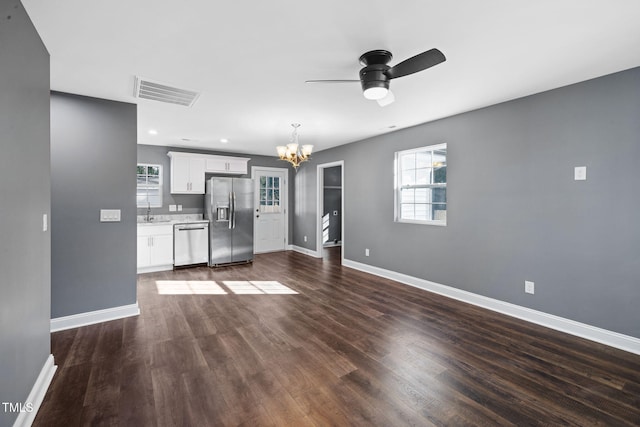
<point>25,249</point>
<point>514,211</point>
<point>93,164</point>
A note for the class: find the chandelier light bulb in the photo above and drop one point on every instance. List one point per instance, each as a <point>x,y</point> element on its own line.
<point>292,152</point>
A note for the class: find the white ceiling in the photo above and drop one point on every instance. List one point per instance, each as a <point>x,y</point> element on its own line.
<point>250,60</point>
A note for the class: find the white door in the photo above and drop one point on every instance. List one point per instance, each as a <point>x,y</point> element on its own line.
<point>270,214</point>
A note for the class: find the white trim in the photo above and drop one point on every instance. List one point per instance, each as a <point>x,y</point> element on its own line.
<point>306,251</point>
<point>286,204</point>
<point>36,396</point>
<point>603,336</point>
<point>320,205</point>
<point>91,317</point>
<point>423,222</point>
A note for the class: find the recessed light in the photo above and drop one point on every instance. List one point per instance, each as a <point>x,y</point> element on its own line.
<point>153,132</point>
<point>224,140</point>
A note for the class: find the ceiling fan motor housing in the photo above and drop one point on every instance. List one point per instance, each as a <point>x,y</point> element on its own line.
<point>373,76</point>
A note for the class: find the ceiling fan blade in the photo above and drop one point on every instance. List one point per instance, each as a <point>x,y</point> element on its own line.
<point>332,81</point>
<point>416,63</point>
<point>388,99</point>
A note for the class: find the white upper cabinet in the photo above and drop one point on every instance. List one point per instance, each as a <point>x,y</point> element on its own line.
<point>188,170</point>
<point>187,174</point>
<point>227,165</point>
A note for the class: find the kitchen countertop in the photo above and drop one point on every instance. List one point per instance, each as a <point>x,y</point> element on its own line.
<point>173,222</point>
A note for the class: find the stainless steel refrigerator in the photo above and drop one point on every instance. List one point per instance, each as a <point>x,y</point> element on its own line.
<point>228,205</point>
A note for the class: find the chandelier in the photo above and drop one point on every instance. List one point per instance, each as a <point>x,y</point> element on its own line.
<point>292,152</point>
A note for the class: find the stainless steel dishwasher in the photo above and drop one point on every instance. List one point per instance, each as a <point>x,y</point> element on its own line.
<point>190,243</point>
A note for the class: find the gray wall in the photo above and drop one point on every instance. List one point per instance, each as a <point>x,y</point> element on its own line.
<point>193,203</point>
<point>93,160</point>
<point>25,250</point>
<point>332,201</point>
<point>514,211</point>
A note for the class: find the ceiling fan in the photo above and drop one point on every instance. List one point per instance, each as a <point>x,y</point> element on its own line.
<point>376,74</point>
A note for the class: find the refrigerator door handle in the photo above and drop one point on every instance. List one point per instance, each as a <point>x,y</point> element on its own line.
<point>231,209</point>
<point>234,209</point>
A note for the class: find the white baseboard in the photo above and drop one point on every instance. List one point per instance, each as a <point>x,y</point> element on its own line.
<point>36,396</point>
<point>91,317</point>
<point>306,251</point>
<point>603,336</point>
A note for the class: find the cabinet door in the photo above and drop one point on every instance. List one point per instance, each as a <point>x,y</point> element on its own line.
<point>180,177</point>
<point>144,251</point>
<point>196,175</point>
<point>237,166</point>
<point>216,165</point>
<point>162,250</point>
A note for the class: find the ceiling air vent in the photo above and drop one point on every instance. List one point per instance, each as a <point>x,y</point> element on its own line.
<point>155,91</point>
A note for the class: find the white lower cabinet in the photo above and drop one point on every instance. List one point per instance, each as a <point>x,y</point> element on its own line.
<point>155,248</point>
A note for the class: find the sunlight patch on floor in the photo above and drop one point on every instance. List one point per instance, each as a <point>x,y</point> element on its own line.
<point>256,287</point>
<point>189,287</point>
<point>210,287</point>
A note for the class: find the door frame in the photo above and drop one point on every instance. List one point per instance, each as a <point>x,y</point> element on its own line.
<point>320,205</point>
<point>284,192</point>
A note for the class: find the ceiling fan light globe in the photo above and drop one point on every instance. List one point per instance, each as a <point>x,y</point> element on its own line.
<point>375,93</point>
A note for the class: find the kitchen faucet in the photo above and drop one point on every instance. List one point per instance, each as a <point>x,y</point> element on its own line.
<point>148,218</point>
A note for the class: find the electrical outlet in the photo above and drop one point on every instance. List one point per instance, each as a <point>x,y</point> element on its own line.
<point>529,287</point>
<point>179,208</point>
<point>580,173</point>
<point>305,238</point>
<point>366,252</point>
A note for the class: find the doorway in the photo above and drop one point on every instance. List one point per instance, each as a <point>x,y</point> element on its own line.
<point>270,209</point>
<point>330,237</point>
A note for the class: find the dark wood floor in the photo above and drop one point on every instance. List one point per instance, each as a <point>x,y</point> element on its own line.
<point>347,349</point>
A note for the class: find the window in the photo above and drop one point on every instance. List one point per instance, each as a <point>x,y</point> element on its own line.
<point>149,191</point>
<point>270,194</point>
<point>421,185</point>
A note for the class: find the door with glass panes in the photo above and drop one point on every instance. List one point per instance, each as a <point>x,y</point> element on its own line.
<point>269,210</point>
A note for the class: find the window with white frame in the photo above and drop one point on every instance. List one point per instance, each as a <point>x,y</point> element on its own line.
<point>149,189</point>
<point>421,185</point>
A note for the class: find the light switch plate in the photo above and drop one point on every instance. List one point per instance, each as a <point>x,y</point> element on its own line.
<point>109,215</point>
<point>529,287</point>
<point>172,208</point>
<point>580,173</point>
<point>45,222</point>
